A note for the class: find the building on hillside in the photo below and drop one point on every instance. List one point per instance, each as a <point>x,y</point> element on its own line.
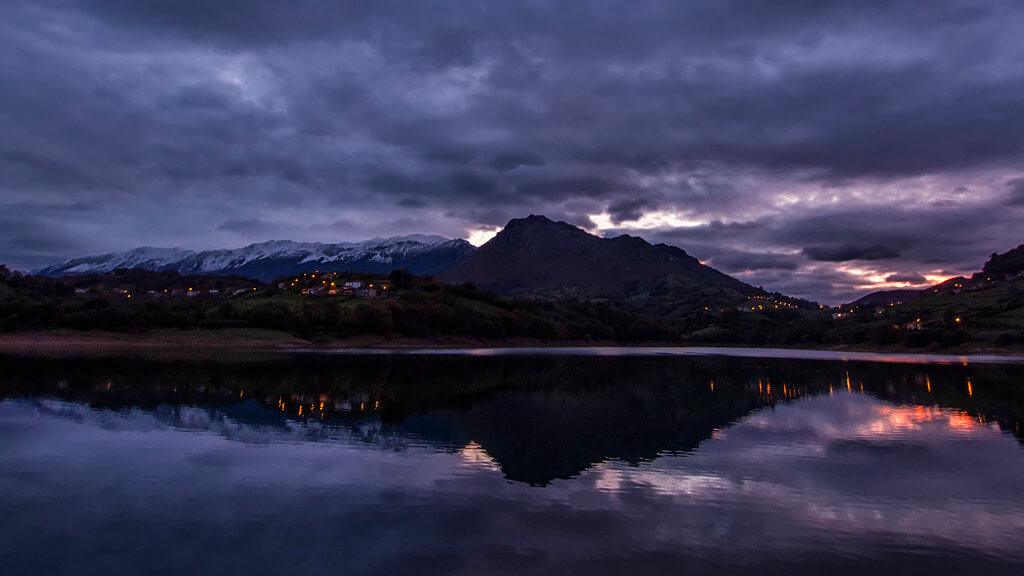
<point>353,285</point>
<point>366,293</point>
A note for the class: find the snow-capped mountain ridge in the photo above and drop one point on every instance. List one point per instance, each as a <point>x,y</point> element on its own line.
<point>424,254</point>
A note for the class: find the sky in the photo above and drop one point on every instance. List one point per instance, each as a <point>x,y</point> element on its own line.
<point>822,149</point>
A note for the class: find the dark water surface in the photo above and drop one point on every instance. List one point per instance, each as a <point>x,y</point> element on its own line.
<point>519,464</point>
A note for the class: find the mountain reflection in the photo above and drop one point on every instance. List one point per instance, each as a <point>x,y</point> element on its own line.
<point>536,418</point>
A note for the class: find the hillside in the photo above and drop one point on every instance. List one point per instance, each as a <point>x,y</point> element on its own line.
<point>1006,266</point>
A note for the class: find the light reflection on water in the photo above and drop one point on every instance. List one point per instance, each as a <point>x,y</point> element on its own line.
<point>460,465</point>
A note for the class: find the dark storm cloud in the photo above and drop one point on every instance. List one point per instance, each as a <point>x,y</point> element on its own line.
<point>512,160</point>
<point>185,122</point>
<point>627,209</point>
<point>245,226</point>
<point>1015,188</point>
<point>411,203</point>
<point>740,261</point>
<point>847,252</point>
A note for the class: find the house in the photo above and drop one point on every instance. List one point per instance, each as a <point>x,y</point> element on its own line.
<point>315,291</point>
<point>214,291</point>
<point>353,285</point>
<point>81,291</point>
<point>366,293</point>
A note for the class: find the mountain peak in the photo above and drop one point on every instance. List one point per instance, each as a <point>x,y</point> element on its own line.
<point>536,254</point>
<point>533,218</point>
<point>533,221</point>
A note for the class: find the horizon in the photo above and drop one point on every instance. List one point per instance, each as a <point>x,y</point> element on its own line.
<point>483,240</point>
<point>824,151</point>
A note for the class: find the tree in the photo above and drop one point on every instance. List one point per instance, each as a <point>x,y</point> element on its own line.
<point>401,279</point>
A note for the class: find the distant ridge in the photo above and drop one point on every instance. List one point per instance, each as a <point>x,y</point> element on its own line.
<point>886,297</point>
<point>265,261</point>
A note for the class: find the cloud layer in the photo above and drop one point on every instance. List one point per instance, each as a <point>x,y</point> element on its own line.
<point>816,148</point>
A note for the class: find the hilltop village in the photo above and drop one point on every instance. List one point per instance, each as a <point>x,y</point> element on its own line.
<point>332,284</point>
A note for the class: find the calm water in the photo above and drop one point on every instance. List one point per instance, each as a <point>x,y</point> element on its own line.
<point>516,464</point>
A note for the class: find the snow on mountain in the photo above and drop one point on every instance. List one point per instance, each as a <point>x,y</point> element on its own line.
<point>418,253</point>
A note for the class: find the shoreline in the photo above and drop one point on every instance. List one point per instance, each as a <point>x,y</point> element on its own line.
<point>203,342</point>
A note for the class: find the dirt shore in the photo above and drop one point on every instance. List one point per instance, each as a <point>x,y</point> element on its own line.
<point>201,342</point>
<point>217,342</point>
<point>74,343</point>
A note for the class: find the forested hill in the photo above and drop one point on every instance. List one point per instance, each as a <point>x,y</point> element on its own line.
<point>335,308</point>
<point>399,305</point>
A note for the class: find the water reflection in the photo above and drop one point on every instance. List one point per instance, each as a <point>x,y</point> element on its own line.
<point>510,464</point>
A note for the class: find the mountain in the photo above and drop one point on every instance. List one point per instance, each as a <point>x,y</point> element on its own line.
<point>535,255</point>
<point>417,253</point>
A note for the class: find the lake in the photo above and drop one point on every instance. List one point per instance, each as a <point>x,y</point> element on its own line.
<point>517,463</point>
